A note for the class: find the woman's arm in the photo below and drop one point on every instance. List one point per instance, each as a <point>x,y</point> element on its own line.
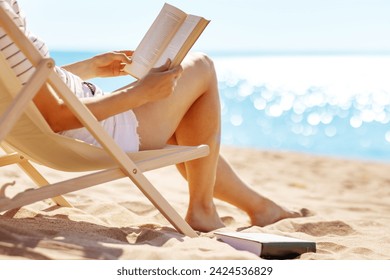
<point>103,65</point>
<point>158,84</point>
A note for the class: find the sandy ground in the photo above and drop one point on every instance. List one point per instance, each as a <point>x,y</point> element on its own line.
<point>349,199</point>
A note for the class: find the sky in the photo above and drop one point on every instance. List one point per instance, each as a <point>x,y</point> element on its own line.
<point>236,25</point>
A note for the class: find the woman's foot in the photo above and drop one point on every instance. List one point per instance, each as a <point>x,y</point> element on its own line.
<point>268,212</point>
<point>204,219</point>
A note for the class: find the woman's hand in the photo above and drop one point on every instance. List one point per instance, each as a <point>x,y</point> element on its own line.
<point>111,64</point>
<point>159,83</point>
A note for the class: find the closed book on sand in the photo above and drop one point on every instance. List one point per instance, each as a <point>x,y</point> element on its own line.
<point>267,246</point>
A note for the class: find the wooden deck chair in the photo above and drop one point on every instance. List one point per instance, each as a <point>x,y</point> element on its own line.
<point>25,136</point>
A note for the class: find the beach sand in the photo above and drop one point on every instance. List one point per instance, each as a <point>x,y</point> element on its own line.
<point>349,199</point>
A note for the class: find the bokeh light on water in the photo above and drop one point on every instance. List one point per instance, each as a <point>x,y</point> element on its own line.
<point>323,105</point>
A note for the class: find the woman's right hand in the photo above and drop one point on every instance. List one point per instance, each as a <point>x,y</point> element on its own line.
<point>159,83</point>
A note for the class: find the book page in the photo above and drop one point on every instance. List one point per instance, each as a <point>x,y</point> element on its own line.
<point>179,39</point>
<point>262,237</point>
<point>156,39</point>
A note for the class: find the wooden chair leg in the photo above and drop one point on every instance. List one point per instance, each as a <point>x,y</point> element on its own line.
<point>40,181</point>
<point>32,172</point>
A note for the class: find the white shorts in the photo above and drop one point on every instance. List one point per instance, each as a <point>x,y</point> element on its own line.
<point>121,127</point>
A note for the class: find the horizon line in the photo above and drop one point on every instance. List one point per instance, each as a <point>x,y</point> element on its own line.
<point>263,52</point>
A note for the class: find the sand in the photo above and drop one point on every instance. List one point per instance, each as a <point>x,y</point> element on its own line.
<point>349,199</point>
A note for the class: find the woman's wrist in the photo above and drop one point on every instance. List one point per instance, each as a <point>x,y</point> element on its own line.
<point>133,95</point>
<point>85,69</point>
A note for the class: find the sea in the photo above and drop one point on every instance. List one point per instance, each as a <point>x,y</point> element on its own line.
<point>327,104</point>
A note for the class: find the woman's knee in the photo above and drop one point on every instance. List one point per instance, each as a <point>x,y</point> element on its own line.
<point>201,62</point>
<point>201,67</point>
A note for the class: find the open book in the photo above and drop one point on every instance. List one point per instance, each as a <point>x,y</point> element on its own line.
<point>171,36</point>
<point>267,246</point>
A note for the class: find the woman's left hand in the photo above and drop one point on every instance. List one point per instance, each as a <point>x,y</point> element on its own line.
<point>111,64</point>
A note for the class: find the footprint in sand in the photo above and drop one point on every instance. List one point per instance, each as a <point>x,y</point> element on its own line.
<point>325,228</point>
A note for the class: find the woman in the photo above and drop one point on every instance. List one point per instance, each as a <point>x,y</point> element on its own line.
<point>166,106</point>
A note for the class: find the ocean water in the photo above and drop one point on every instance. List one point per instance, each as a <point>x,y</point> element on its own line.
<point>336,105</point>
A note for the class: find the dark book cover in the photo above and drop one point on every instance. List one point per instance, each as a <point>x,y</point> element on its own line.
<point>267,246</point>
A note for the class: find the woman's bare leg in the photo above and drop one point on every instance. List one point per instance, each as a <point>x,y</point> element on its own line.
<point>192,116</point>
<point>230,188</point>
<point>262,211</point>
